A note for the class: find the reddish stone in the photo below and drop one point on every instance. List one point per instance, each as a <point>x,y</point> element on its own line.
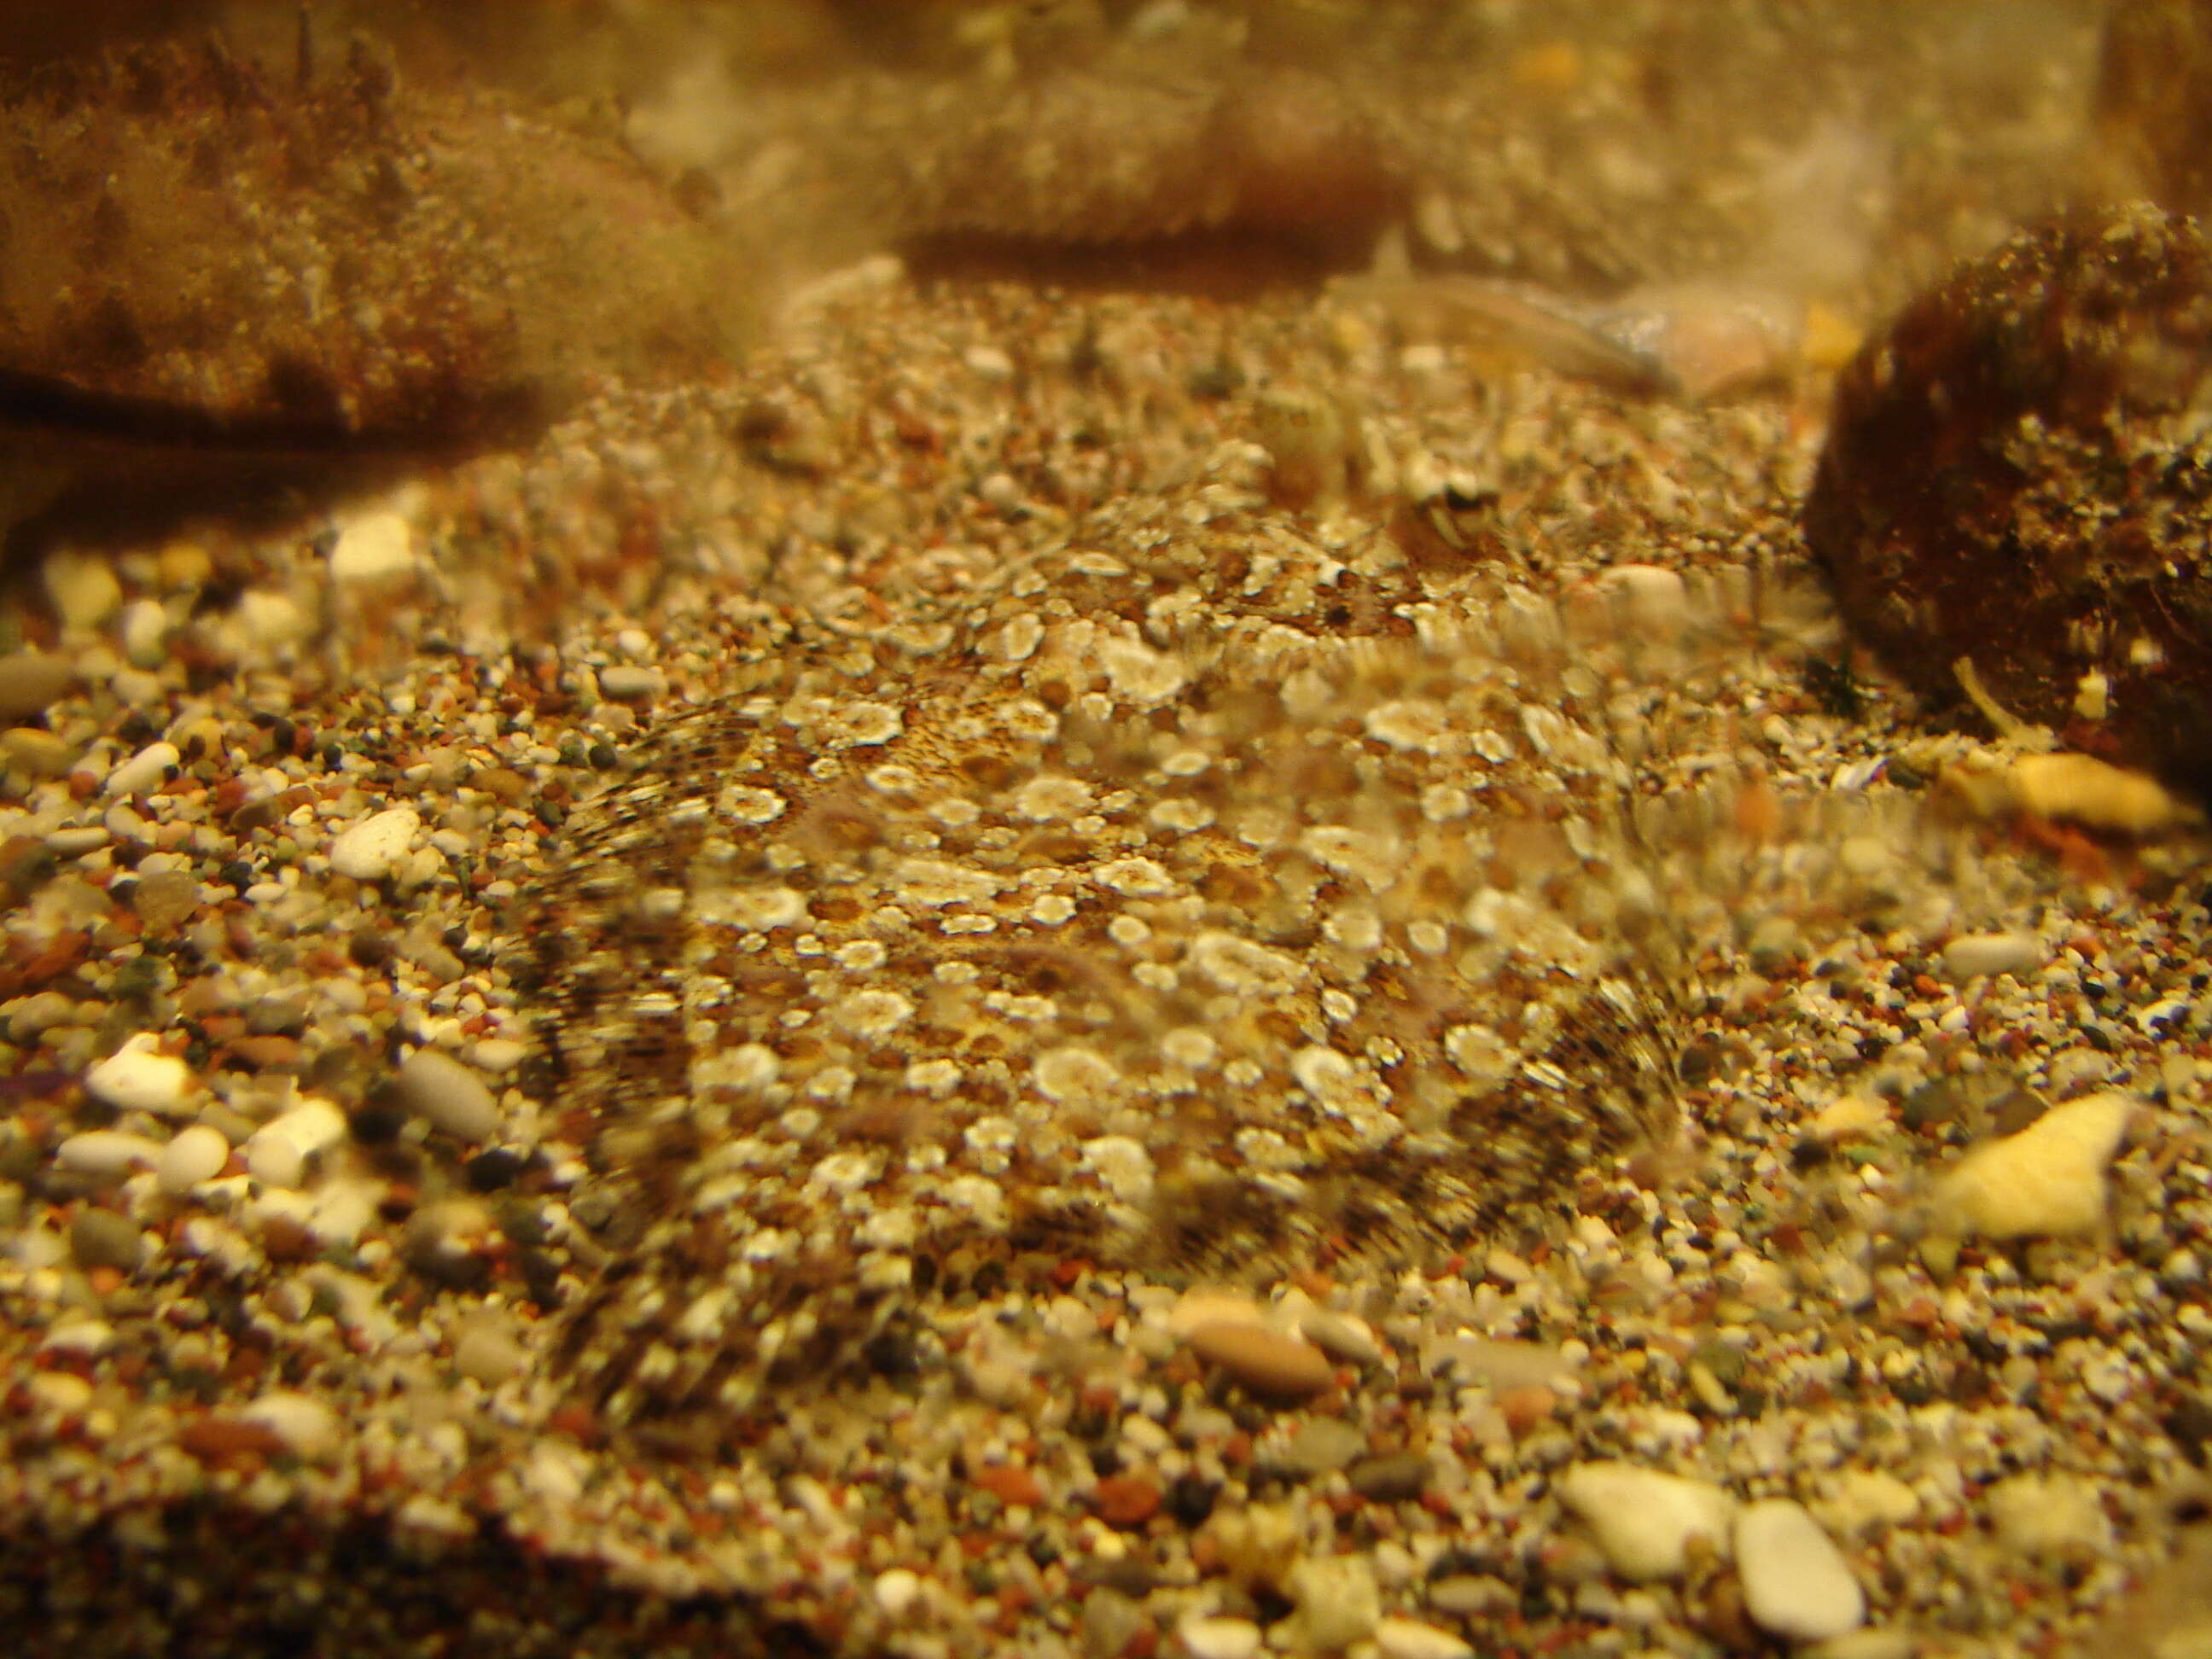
<point>1125,1500</point>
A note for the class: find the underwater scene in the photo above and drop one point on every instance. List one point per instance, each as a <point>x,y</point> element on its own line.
<point>1106,829</point>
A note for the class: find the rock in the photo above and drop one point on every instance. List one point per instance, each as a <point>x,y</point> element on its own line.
<point>1267,1363</point>
<point>304,1426</point>
<point>627,682</point>
<point>82,587</point>
<point>1337,1603</point>
<point>1219,1638</point>
<point>1125,1500</point>
<point>1395,1478</point>
<point>36,754</point>
<point>372,547</point>
<point>1644,1521</point>
<point>1978,956</point>
<point>166,898</point>
<point>1320,1445</point>
<point>368,850</point>
<point>31,682</point>
<point>144,772</point>
<point>1796,1584</point>
<point>1408,1638</point>
<point>2048,1180</point>
<point>2050,1518</point>
<point>448,1095</point>
<point>2153,130</point>
<point>198,1153</point>
<point>897,1592</point>
<point>107,1152</point>
<point>102,1238</point>
<point>280,1151</point>
<point>2007,481</point>
<point>139,1078</point>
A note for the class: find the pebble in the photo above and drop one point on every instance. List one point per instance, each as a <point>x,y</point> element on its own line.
<point>139,1078</point>
<point>196,1153</point>
<point>105,1153</point>
<point>1337,1603</point>
<point>29,1016</point>
<point>1976,956</point>
<point>1642,1520</point>
<point>143,629</point>
<point>626,683</point>
<point>1340,1336</point>
<point>308,1428</point>
<point>144,772</point>
<point>164,899</point>
<point>1796,1584</point>
<point>897,1592</point>
<point>371,547</point>
<point>82,587</point>
<point>1267,1363</point>
<point>1394,1478</point>
<point>36,754</point>
<point>1218,1638</point>
<point>32,681</point>
<point>2048,1180</point>
<point>1320,1445</point>
<point>367,851</point>
<point>102,1238</point>
<point>1408,1638</point>
<point>279,1151</point>
<point>1125,1500</point>
<point>449,1096</point>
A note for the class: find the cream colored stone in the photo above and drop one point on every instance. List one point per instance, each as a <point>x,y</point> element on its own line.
<point>2048,1180</point>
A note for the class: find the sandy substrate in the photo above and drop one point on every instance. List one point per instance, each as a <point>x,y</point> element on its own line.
<point>1079,975</point>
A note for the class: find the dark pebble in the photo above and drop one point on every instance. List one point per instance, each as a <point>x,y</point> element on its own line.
<point>1394,1478</point>
<point>495,1167</point>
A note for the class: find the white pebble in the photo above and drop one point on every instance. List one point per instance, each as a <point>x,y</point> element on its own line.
<point>107,1152</point>
<point>625,683</point>
<point>198,1153</point>
<point>451,1096</point>
<point>143,629</point>
<point>1796,1584</point>
<point>498,1053</point>
<point>2048,1180</point>
<point>274,1158</point>
<point>1973,956</point>
<point>372,547</point>
<point>987,363</point>
<point>1642,1519</point>
<point>139,1078</point>
<point>1219,1638</point>
<point>144,772</point>
<point>368,850</point>
<point>1408,1638</point>
<point>897,1591</point>
<point>308,1428</point>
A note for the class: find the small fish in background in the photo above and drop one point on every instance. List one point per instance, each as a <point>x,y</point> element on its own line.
<point>1694,340</point>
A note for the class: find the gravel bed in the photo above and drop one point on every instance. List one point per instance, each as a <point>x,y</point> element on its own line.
<point>1083,975</point>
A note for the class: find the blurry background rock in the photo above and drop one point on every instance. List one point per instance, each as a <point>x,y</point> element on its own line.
<point>239,271</point>
<point>2153,104</point>
<point>2016,477</point>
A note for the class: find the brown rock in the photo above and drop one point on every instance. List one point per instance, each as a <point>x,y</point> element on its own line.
<point>1125,1500</point>
<point>2012,478</point>
<point>1267,1363</point>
